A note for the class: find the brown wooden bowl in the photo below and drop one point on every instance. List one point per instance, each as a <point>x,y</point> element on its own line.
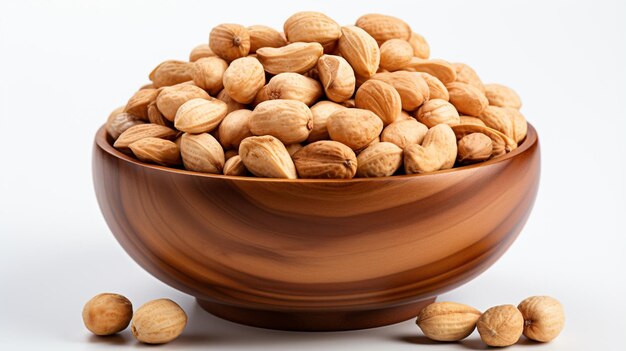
<point>316,254</point>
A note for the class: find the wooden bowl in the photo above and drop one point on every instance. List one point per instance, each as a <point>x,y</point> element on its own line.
<point>316,254</point>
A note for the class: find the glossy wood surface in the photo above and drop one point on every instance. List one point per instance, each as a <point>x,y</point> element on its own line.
<point>316,254</point>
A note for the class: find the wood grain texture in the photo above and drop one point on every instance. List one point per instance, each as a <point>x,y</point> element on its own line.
<point>316,254</point>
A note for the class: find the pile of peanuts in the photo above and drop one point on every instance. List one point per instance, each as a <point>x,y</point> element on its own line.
<point>318,100</point>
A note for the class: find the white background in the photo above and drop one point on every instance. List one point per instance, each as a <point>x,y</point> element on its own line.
<point>64,65</point>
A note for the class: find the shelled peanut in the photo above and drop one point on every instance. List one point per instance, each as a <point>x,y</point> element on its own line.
<point>539,318</point>
<point>318,100</point>
<point>155,322</point>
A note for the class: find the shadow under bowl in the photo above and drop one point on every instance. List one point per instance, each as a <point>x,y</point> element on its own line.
<point>316,254</point>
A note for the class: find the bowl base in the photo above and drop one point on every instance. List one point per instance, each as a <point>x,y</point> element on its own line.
<point>316,320</point>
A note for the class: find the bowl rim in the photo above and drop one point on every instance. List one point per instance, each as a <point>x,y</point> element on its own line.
<point>102,142</point>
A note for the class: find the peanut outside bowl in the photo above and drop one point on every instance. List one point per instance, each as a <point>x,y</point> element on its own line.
<point>316,254</point>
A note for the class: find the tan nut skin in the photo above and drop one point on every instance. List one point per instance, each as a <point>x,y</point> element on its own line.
<point>107,314</point>
<point>544,318</point>
<point>158,322</point>
<point>500,326</point>
<point>447,321</point>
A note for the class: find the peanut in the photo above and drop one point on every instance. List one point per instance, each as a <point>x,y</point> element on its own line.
<point>325,159</point>
<point>354,127</point>
<point>438,151</point>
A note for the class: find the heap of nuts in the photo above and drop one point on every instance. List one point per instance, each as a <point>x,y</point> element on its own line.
<point>318,100</point>
<point>156,322</point>
<point>539,318</point>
